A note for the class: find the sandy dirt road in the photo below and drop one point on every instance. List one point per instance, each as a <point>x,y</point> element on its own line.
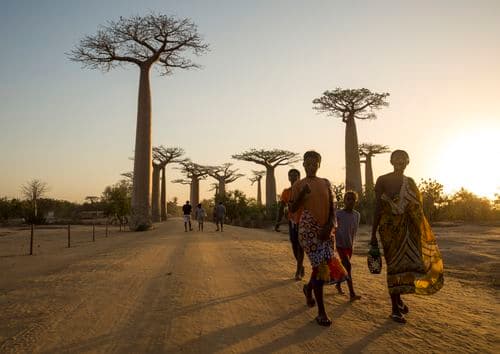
<point>232,292</point>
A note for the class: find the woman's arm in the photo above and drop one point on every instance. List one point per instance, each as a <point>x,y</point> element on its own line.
<point>377,214</point>
<point>327,229</point>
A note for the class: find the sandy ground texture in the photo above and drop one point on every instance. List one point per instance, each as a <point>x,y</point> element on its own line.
<point>231,292</point>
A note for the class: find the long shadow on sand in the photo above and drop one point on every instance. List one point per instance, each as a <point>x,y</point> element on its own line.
<point>252,292</point>
<point>223,338</point>
<point>386,327</point>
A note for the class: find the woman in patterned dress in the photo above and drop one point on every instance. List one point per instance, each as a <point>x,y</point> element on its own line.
<point>414,263</point>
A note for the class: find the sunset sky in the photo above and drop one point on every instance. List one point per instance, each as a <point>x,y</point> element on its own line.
<point>75,128</point>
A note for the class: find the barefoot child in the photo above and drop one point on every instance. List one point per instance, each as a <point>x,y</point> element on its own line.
<point>347,227</point>
<point>293,223</point>
<point>316,223</point>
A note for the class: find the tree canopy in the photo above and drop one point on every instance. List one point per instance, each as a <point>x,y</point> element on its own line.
<point>268,158</point>
<point>141,40</point>
<point>368,149</point>
<point>350,103</point>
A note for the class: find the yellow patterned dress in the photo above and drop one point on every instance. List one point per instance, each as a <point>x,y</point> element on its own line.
<point>414,263</point>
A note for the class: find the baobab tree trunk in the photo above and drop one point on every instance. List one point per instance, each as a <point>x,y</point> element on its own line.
<point>141,203</point>
<point>352,164</point>
<point>259,193</point>
<point>270,188</point>
<point>155,194</point>
<point>222,189</point>
<point>163,195</point>
<point>369,185</point>
<point>195,192</point>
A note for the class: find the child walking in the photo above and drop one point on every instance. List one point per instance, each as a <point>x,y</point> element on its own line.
<point>200,215</point>
<point>347,227</point>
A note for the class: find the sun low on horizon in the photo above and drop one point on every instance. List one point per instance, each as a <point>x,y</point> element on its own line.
<point>468,158</point>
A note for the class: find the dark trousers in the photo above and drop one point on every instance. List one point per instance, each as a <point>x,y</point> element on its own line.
<point>293,231</point>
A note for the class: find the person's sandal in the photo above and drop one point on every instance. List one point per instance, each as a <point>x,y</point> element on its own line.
<point>399,318</point>
<point>323,321</point>
<point>403,308</point>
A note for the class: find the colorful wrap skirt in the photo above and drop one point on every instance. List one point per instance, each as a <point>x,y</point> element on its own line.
<point>414,262</point>
<point>325,265</point>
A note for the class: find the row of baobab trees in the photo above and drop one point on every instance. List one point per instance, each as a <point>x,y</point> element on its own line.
<point>225,174</point>
<point>166,42</point>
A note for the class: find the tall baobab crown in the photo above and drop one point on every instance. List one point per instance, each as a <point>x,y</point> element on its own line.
<point>349,105</point>
<point>143,41</point>
<point>270,159</point>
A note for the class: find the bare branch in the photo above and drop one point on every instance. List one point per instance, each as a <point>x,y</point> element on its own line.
<point>34,189</point>
<point>224,173</point>
<point>141,40</point>
<point>165,155</point>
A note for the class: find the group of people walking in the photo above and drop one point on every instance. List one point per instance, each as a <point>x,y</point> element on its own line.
<point>219,214</point>
<point>317,229</point>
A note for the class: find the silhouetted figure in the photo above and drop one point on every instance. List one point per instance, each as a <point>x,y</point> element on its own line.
<point>200,215</point>
<point>414,263</point>
<point>186,209</point>
<point>220,214</point>
<point>347,227</point>
<point>317,222</point>
<point>293,223</point>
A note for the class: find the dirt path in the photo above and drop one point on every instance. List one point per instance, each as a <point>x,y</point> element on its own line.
<point>231,292</point>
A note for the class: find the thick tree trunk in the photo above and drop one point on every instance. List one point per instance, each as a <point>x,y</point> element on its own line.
<point>270,188</point>
<point>195,192</point>
<point>155,194</point>
<point>259,192</point>
<point>352,164</point>
<point>141,194</point>
<point>369,185</point>
<point>163,195</point>
<point>222,188</point>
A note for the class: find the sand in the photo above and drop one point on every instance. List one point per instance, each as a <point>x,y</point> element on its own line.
<point>232,292</point>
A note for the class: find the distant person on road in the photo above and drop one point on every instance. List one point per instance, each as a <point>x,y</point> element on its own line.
<point>317,221</point>
<point>293,223</point>
<point>200,215</point>
<point>414,263</point>
<point>347,227</point>
<point>220,214</point>
<point>186,209</point>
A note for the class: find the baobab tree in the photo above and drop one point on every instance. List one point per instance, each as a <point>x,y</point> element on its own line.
<point>257,177</point>
<point>270,159</point>
<point>162,156</point>
<point>224,175</point>
<point>194,173</point>
<point>187,182</point>
<point>34,190</point>
<point>350,105</point>
<point>155,190</point>
<point>143,41</point>
<point>367,151</point>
